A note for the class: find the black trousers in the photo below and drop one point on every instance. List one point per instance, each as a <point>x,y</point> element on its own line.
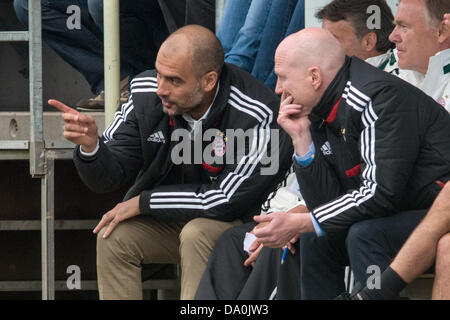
<point>226,277</point>
<point>317,269</point>
<point>367,246</point>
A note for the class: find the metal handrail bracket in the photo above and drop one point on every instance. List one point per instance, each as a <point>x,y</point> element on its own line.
<point>7,36</point>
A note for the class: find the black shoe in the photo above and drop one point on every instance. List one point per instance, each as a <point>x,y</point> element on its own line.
<point>357,288</point>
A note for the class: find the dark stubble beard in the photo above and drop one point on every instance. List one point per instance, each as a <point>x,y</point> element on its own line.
<point>193,102</point>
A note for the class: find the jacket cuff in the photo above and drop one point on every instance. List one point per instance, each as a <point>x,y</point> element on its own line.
<point>90,154</point>
<point>144,203</point>
<point>298,167</point>
<point>307,158</point>
<point>88,157</point>
<point>316,225</point>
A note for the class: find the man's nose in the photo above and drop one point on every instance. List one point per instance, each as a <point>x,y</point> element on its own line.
<point>163,89</point>
<point>278,88</point>
<point>394,36</point>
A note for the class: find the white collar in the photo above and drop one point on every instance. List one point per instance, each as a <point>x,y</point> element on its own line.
<point>440,62</point>
<point>377,61</point>
<point>191,121</point>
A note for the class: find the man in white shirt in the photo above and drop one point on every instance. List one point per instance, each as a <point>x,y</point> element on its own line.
<point>423,44</point>
<point>430,242</point>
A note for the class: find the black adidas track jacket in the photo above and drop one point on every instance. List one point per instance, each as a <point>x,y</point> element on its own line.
<point>382,146</point>
<point>137,146</point>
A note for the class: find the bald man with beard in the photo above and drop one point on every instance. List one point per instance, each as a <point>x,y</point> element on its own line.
<point>175,210</point>
<point>371,154</point>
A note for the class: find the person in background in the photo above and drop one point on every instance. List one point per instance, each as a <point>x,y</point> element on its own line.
<point>428,244</point>
<point>250,31</point>
<point>422,39</point>
<point>144,25</point>
<point>347,20</point>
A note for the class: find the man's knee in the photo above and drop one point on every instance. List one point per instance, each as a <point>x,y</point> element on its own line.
<point>446,191</point>
<point>238,232</point>
<point>443,247</point>
<point>48,9</point>
<point>442,205</point>
<point>194,233</point>
<point>115,244</point>
<point>21,9</point>
<point>360,235</point>
<point>228,237</point>
<point>201,234</point>
<point>95,8</point>
<point>366,245</point>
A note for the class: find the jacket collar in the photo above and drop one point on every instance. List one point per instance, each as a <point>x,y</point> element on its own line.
<point>221,100</point>
<point>326,108</point>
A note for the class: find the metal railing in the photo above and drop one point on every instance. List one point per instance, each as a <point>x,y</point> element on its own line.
<point>42,154</point>
<point>41,166</point>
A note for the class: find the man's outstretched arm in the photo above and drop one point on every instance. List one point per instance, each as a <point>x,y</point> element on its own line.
<point>79,129</point>
<point>82,130</point>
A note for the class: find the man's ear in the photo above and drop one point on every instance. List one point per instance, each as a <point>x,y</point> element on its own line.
<point>316,77</point>
<point>369,41</point>
<point>444,33</point>
<point>209,80</point>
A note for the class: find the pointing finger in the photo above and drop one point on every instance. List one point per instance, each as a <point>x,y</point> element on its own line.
<point>61,106</point>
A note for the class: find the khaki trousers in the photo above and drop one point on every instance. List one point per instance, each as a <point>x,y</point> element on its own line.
<point>145,240</point>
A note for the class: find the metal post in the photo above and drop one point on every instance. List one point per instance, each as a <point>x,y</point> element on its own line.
<point>112,58</point>
<point>36,123</point>
<point>48,229</point>
<point>219,10</point>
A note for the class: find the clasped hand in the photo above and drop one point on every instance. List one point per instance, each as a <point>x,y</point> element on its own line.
<point>282,228</point>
